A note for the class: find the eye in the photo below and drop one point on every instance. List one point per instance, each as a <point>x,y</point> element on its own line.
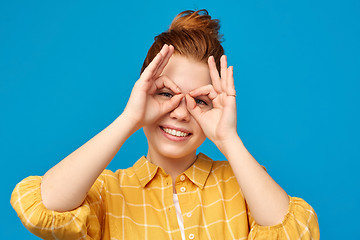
<point>200,102</point>
<point>166,94</point>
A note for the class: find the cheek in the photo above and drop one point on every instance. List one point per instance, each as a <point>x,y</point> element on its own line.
<point>149,131</point>
<point>198,129</point>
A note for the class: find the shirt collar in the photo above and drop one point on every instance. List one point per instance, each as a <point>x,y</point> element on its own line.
<point>197,173</point>
<point>145,170</point>
<point>200,170</point>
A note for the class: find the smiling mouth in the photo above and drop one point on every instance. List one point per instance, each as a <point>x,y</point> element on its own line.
<point>174,132</point>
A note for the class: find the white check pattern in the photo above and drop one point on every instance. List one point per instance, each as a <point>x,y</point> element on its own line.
<point>137,203</point>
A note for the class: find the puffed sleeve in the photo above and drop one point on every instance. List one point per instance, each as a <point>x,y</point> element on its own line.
<point>83,222</point>
<point>300,223</point>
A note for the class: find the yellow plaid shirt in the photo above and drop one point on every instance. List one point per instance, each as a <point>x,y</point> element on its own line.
<point>137,203</point>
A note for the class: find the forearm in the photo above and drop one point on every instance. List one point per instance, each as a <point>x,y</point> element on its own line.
<point>65,186</point>
<point>267,201</point>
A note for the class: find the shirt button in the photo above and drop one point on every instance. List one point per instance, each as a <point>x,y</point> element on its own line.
<point>188,214</point>
<point>182,189</point>
<point>191,236</point>
<point>182,177</point>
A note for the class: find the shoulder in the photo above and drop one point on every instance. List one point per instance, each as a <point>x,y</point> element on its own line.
<point>119,177</point>
<point>222,170</point>
<point>221,180</point>
<point>219,168</point>
<point>221,165</point>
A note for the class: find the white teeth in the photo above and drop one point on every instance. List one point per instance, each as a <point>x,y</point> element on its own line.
<point>175,133</point>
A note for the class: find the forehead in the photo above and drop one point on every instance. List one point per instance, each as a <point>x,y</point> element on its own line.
<point>186,73</point>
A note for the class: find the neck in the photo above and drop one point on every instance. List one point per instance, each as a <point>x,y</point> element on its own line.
<point>171,165</point>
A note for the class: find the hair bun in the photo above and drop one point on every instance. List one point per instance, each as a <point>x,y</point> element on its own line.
<point>196,20</point>
<point>193,34</point>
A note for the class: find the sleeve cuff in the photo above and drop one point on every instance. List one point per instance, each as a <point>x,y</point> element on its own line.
<point>48,224</point>
<point>300,222</point>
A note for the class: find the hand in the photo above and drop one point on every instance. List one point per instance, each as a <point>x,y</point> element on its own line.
<point>219,122</point>
<point>142,108</point>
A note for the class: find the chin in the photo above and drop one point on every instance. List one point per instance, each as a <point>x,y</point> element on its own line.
<point>176,152</point>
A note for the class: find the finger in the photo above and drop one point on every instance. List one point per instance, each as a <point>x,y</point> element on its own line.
<point>230,87</point>
<point>214,74</point>
<point>151,68</point>
<point>192,107</point>
<point>207,90</point>
<point>164,81</point>
<point>164,51</point>
<point>172,103</point>
<point>165,61</point>
<point>223,65</point>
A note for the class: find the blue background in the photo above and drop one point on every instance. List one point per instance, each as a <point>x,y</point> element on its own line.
<point>66,71</point>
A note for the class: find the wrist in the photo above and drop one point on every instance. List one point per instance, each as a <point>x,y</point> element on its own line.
<point>129,121</point>
<point>227,145</point>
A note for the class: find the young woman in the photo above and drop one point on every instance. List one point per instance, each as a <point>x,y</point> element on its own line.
<point>172,193</point>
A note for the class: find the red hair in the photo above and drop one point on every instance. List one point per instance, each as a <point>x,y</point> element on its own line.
<point>193,34</point>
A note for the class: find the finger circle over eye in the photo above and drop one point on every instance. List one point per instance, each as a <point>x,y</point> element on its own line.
<point>207,90</point>
<point>164,81</point>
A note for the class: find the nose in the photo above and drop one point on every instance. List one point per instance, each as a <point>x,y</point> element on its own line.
<point>181,112</point>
